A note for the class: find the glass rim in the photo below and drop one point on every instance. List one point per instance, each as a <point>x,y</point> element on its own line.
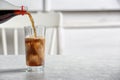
<point>35,26</point>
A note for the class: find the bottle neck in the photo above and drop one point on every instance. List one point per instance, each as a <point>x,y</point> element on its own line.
<point>20,12</point>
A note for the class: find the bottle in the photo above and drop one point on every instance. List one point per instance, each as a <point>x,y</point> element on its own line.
<point>7,11</point>
<point>5,15</point>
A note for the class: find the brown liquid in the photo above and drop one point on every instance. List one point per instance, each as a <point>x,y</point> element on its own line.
<point>35,48</point>
<point>32,22</point>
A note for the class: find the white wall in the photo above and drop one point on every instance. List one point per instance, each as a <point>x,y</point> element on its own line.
<point>91,40</point>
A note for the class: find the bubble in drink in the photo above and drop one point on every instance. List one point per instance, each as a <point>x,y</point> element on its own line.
<point>35,48</point>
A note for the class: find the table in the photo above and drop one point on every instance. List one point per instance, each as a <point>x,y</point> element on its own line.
<point>63,67</point>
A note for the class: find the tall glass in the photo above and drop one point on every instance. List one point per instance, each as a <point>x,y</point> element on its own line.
<point>35,48</point>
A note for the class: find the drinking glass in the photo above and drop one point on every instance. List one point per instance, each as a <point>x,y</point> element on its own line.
<point>35,48</point>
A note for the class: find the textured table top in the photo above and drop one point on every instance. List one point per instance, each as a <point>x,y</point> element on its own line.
<point>63,67</point>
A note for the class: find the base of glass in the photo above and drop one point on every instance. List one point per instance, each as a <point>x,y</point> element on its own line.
<point>39,69</point>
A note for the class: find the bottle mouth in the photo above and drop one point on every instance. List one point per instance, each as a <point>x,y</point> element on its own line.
<point>22,12</point>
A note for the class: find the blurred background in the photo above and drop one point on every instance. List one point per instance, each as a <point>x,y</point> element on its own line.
<point>89,26</point>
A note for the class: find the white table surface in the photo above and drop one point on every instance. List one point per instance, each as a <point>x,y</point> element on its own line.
<point>63,67</point>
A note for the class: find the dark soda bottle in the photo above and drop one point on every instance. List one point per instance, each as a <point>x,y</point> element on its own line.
<point>5,15</point>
